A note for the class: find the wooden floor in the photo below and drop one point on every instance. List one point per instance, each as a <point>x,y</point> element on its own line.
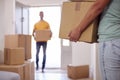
<point>53,74</point>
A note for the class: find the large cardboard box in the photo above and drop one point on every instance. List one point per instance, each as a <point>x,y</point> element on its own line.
<point>13,68</point>
<point>78,72</point>
<point>72,14</point>
<point>42,35</point>
<point>14,56</point>
<point>19,40</point>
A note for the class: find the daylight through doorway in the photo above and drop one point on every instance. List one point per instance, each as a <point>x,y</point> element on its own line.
<point>51,15</point>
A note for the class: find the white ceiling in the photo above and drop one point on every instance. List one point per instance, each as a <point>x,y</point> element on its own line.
<point>41,2</point>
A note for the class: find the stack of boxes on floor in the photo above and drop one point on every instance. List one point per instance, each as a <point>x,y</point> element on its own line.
<point>17,56</point>
<point>73,12</point>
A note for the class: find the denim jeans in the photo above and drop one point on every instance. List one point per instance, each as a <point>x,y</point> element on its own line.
<point>109,55</point>
<point>38,46</point>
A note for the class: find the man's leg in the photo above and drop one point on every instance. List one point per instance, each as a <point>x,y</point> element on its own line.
<point>44,55</point>
<point>110,59</point>
<point>37,54</point>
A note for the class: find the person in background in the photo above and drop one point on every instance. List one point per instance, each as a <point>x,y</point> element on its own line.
<point>109,35</point>
<point>41,25</point>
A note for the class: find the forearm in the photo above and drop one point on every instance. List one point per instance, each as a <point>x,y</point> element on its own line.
<point>33,33</point>
<point>94,11</point>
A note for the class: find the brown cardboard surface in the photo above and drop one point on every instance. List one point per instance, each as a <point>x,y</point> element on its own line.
<point>28,41</point>
<point>32,71</point>
<point>72,14</point>
<point>19,40</point>
<point>42,35</point>
<point>1,57</point>
<point>14,56</point>
<point>78,72</point>
<point>27,69</point>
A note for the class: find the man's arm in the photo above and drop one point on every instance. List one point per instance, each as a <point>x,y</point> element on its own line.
<point>33,33</point>
<point>92,13</point>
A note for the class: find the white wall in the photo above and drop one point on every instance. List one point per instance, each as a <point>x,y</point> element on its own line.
<point>81,53</point>
<point>1,30</point>
<point>1,23</point>
<point>7,19</point>
<point>66,53</point>
<point>7,22</point>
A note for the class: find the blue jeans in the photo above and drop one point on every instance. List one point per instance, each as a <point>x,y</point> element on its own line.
<point>109,55</point>
<point>38,46</point>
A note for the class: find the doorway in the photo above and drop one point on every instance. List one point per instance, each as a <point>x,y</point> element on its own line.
<point>52,15</point>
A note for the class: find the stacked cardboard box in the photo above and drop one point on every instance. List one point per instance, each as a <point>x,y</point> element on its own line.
<point>1,57</point>
<point>29,70</point>
<point>72,14</point>
<point>14,56</point>
<point>19,40</point>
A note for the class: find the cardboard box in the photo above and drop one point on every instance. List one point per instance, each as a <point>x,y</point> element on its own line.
<point>78,72</point>
<point>42,35</point>
<point>72,14</point>
<point>29,72</point>
<point>1,57</point>
<point>28,47</point>
<point>19,40</point>
<point>32,70</point>
<point>16,68</point>
<point>14,56</point>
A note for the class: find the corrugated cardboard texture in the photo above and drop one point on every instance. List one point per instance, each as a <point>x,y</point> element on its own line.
<point>1,57</point>
<point>42,35</point>
<point>72,14</point>
<point>32,71</point>
<point>78,72</point>
<point>29,72</point>
<point>28,41</point>
<point>19,40</point>
<point>14,56</point>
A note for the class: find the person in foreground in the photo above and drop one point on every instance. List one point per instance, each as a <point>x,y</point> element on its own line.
<point>41,25</point>
<point>109,36</point>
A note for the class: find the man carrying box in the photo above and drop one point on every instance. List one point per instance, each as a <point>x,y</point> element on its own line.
<point>41,25</point>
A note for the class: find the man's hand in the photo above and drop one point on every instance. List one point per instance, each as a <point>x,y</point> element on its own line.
<point>74,35</point>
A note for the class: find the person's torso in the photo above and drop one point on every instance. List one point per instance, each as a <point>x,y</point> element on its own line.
<point>41,25</point>
<point>109,27</point>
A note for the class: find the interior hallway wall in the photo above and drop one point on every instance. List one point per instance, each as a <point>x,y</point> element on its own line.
<point>7,20</point>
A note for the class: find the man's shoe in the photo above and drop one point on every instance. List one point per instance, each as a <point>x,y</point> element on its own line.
<point>42,70</point>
